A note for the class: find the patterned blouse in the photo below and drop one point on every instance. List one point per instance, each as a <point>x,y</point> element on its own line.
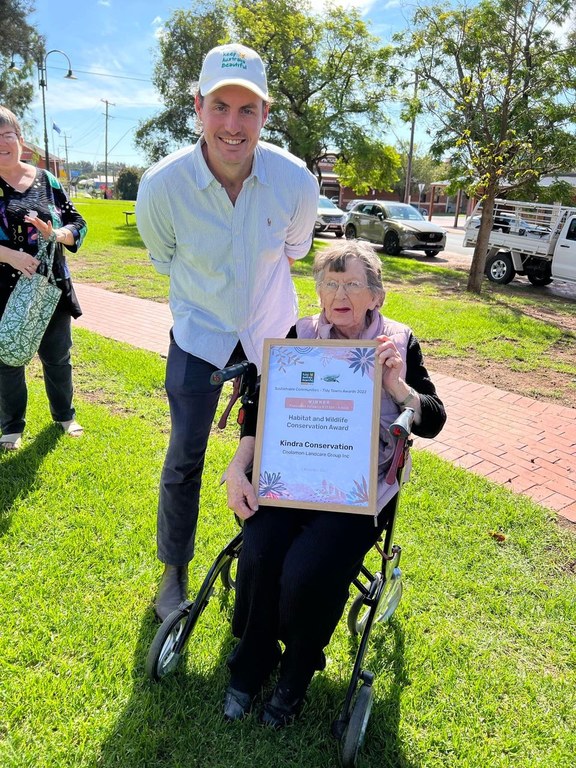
<point>47,197</point>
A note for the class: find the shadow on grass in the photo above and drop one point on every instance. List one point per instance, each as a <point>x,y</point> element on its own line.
<point>19,470</point>
<point>127,234</point>
<point>179,721</point>
<point>383,740</point>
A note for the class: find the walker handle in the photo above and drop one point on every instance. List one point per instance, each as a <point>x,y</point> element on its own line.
<point>231,372</point>
<point>402,426</point>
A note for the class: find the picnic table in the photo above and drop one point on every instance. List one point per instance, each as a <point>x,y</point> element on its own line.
<point>127,214</point>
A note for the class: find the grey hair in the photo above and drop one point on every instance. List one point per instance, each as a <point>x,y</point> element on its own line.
<point>335,259</point>
<point>9,118</point>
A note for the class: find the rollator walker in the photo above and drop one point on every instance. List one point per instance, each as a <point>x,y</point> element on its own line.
<point>378,595</point>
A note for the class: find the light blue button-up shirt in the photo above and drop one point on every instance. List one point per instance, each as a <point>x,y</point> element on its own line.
<point>228,264</point>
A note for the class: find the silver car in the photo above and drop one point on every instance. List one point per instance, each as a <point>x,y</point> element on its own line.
<point>329,217</point>
<point>396,226</point>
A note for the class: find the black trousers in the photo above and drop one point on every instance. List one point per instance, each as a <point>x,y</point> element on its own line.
<point>294,574</point>
<point>54,354</point>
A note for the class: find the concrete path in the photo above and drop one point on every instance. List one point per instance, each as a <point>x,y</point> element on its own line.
<point>527,445</point>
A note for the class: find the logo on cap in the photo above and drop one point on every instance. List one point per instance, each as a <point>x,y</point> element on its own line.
<point>233,59</point>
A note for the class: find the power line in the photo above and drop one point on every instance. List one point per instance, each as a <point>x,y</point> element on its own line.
<point>107,74</point>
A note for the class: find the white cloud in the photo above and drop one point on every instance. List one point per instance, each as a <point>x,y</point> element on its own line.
<point>106,3</point>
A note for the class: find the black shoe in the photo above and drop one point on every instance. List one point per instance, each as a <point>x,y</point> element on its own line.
<point>237,704</point>
<point>172,590</point>
<point>282,709</point>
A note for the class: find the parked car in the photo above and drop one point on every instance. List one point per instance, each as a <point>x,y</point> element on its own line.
<point>329,217</point>
<point>511,225</point>
<point>351,203</point>
<point>396,226</point>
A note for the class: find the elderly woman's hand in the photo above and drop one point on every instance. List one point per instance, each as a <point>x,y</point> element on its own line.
<point>388,355</point>
<point>391,362</point>
<point>241,496</point>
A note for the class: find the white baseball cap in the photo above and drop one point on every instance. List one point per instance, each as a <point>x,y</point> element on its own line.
<point>233,64</point>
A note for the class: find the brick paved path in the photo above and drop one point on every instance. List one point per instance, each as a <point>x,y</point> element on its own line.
<point>527,445</point>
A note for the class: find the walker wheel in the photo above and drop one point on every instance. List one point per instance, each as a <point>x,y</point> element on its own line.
<point>162,657</point>
<point>357,622</point>
<point>353,736</point>
<point>391,597</point>
<point>388,601</point>
<point>228,573</point>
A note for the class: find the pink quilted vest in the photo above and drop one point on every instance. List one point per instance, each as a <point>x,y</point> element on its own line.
<point>316,327</point>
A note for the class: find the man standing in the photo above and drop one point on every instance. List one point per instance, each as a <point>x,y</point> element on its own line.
<point>224,218</point>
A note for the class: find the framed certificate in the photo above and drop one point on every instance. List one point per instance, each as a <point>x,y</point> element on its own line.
<point>318,425</point>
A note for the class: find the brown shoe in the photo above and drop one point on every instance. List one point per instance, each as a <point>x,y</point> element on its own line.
<point>172,590</point>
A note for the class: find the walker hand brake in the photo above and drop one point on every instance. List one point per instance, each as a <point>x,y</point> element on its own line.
<point>400,430</point>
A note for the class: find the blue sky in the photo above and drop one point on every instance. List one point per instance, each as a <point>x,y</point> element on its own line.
<point>111,45</point>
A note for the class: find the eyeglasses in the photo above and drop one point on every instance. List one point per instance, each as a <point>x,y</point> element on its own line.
<point>9,136</point>
<point>351,288</point>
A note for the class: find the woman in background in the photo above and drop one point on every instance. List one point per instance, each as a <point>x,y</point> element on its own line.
<point>33,201</point>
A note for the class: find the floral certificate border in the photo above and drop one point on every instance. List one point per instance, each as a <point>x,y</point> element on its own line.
<point>318,425</point>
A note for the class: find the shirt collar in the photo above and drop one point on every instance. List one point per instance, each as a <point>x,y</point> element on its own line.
<point>205,177</point>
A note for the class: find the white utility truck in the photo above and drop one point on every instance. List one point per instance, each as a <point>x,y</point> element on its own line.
<point>530,239</point>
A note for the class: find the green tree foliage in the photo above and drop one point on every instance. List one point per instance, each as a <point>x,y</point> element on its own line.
<point>20,44</point>
<point>327,74</point>
<point>499,79</point>
<point>127,183</point>
<point>425,170</point>
<point>558,192</point>
<point>369,165</point>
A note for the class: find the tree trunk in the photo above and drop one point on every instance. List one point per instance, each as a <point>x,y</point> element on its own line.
<point>476,276</point>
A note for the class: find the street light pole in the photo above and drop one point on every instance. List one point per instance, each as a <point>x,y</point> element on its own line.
<point>108,104</point>
<point>43,84</point>
<point>408,183</point>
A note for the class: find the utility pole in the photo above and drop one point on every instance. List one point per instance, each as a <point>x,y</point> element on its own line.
<point>411,149</point>
<point>67,163</point>
<point>108,104</point>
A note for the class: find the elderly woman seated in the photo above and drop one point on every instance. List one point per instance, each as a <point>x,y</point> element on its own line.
<point>296,565</point>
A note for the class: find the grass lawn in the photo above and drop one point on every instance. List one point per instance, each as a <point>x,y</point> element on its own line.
<point>478,667</point>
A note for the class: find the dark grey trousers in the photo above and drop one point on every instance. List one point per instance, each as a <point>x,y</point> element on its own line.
<point>193,402</point>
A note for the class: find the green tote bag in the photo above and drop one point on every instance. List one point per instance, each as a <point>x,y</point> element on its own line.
<point>29,309</point>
